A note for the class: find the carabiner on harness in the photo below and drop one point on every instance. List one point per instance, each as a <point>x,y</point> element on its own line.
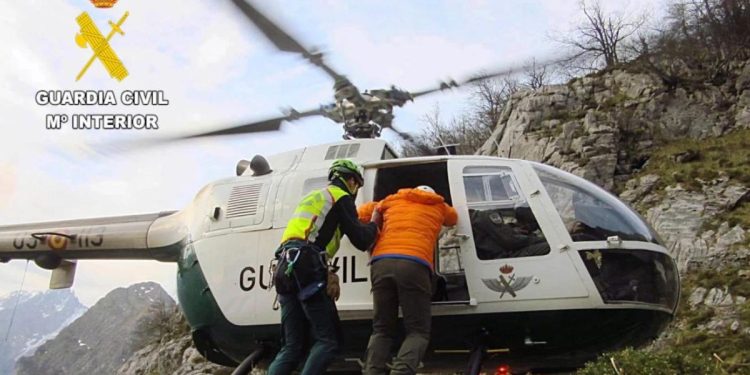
<point>289,261</point>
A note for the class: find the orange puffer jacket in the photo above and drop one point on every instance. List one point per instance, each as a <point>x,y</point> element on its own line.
<point>411,223</point>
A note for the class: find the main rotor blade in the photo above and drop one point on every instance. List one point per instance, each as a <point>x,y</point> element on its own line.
<point>253,127</point>
<point>280,38</point>
<point>271,124</point>
<point>424,149</point>
<point>480,77</point>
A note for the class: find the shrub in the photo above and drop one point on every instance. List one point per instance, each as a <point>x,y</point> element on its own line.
<point>672,362</point>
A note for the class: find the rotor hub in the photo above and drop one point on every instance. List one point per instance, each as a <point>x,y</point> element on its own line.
<point>354,130</point>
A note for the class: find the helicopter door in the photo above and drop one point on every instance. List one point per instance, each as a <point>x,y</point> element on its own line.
<point>505,237</point>
<point>450,283</point>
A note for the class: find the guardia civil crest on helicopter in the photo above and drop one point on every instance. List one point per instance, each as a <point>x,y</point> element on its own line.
<point>511,285</point>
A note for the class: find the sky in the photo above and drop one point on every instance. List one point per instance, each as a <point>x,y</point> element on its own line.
<point>216,69</point>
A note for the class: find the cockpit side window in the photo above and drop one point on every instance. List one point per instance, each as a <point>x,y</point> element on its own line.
<point>502,223</point>
<point>589,212</point>
<point>474,189</point>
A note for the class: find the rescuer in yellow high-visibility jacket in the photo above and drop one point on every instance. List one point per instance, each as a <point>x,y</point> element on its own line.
<point>306,290</point>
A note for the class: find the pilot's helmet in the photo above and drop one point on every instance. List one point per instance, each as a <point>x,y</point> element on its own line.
<point>426,188</point>
<point>525,216</point>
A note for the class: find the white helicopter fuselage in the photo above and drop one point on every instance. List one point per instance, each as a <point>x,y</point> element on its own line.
<point>236,224</point>
<point>541,263</point>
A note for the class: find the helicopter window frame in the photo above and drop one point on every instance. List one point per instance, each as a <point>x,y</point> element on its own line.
<point>500,195</point>
<point>508,185</point>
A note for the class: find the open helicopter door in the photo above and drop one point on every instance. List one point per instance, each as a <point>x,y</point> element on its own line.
<point>389,177</point>
<point>511,242</point>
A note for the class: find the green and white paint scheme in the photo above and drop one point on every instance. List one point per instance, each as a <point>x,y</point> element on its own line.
<point>582,292</point>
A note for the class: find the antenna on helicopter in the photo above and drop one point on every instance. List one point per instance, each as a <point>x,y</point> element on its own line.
<point>450,149</point>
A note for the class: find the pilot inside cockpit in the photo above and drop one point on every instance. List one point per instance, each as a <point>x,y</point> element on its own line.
<point>507,233</point>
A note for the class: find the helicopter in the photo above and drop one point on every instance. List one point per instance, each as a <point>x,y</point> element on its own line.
<point>591,276</point>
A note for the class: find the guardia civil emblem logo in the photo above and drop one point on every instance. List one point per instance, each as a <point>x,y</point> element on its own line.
<point>91,37</point>
<point>510,285</point>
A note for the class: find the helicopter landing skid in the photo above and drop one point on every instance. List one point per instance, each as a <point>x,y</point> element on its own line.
<point>479,353</point>
<point>246,367</point>
<point>475,360</point>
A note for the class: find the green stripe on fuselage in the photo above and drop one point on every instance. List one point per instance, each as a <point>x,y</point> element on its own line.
<point>215,337</point>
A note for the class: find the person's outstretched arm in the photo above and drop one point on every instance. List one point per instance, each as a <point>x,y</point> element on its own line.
<point>361,235</point>
<point>450,215</point>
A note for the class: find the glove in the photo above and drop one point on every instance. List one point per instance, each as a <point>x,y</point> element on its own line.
<point>333,289</point>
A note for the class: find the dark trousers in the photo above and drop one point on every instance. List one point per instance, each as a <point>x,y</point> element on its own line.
<point>317,316</point>
<point>404,283</point>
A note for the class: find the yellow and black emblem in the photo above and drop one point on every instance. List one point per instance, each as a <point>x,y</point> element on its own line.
<point>91,36</point>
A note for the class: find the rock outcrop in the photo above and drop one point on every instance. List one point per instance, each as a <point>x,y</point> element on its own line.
<point>177,356</point>
<point>679,155</point>
<point>603,127</point>
<point>173,353</point>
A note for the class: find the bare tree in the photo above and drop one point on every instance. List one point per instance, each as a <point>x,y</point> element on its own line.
<point>537,76</point>
<point>490,97</point>
<point>599,40</point>
<point>719,26</point>
<point>698,41</point>
<point>470,129</point>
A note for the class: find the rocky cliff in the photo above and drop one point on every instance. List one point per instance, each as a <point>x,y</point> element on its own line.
<point>102,339</point>
<point>38,317</point>
<point>173,353</point>
<point>604,126</point>
<point>680,154</point>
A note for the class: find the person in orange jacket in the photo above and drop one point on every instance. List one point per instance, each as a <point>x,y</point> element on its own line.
<point>401,273</point>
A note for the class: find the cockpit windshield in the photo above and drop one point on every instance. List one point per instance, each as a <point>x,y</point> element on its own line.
<point>589,212</point>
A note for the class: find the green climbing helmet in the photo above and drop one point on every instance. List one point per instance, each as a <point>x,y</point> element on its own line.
<point>345,168</point>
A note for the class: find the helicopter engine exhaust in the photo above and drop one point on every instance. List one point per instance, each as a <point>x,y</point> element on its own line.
<point>259,165</point>
<point>242,166</point>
